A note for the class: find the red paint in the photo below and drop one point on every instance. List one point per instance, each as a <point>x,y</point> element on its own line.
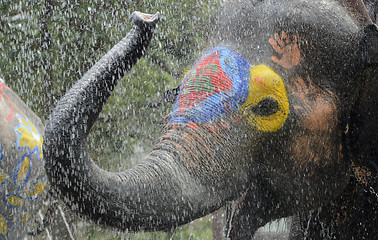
<point>317,114</point>
<point>3,95</point>
<point>259,81</point>
<point>205,80</point>
<point>237,119</point>
<point>193,125</point>
<point>211,127</point>
<point>224,125</point>
<point>287,47</point>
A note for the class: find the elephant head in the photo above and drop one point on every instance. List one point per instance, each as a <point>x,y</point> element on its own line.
<point>266,109</point>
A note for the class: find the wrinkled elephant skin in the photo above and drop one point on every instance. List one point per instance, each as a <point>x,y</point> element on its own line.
<point>264,114</point>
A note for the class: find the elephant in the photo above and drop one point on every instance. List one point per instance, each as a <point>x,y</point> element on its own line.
<point>273,115</point>
<point>372,7</point>
<point>23,181</point>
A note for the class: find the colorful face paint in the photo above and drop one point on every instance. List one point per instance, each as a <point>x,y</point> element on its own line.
<point>216,86</point>
<point>223,82</point>
<point>28,137</point>
<point>12,200</point>
<point>267,106</point>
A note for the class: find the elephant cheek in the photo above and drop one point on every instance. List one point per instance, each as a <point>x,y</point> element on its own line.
<point>318,142</point>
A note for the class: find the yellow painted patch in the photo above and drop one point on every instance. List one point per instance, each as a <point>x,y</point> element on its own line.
<point>29,136</point>
<point>3,226</point>
<point>27,216</point>
<point>37,190</point>
<point>13,201</point>
<point>265,83</point>
<point>3,177</point>
<point>23,171</point>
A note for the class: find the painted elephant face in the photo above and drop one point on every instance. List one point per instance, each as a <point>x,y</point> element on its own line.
<point>277,78</point>
<point>264,108</point>
<point>292,128</point>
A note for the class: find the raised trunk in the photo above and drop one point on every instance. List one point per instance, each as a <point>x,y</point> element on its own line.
<point>158,194</point>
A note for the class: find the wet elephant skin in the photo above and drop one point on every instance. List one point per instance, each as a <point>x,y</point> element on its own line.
<point>264,115</point>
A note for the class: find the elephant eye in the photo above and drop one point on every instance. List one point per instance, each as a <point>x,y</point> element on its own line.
<point>266,107</point>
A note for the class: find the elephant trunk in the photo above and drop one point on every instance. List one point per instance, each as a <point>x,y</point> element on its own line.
<point>158,194</point>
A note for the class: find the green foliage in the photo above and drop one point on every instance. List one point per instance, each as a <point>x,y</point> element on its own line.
<point>196,230</point>
<point>127,124</point>
<point>45,46</point>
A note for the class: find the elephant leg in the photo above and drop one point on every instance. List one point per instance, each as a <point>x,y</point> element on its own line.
<point>238,219</point>
<point>296,228</point>
<point>218,224</point>
<point>310,225</point>
<point>246,214</point>
<point>64,222</point>
<point>353,214</point>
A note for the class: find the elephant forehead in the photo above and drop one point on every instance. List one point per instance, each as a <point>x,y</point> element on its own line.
<point>216,86</point>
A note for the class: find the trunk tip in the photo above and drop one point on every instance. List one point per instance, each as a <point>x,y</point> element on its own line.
<point>144,19</point>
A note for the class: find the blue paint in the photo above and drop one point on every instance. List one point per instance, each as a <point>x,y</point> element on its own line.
<point>1,153</point>
<point>215,87</point>
<point>18,168</point>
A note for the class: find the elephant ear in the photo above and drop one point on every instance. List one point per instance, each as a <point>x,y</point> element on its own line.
<point>355,211</point>
<point>368,49</point>
<point>363,136</point>
<point>358,11</point>
<point>360,198</point>
<point>169,96</point>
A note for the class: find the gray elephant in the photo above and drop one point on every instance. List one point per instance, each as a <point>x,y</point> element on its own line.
<point>23,181</point>
<point>268,115</point>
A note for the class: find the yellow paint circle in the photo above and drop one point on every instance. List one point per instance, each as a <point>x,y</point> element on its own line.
<point>265,83</point>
